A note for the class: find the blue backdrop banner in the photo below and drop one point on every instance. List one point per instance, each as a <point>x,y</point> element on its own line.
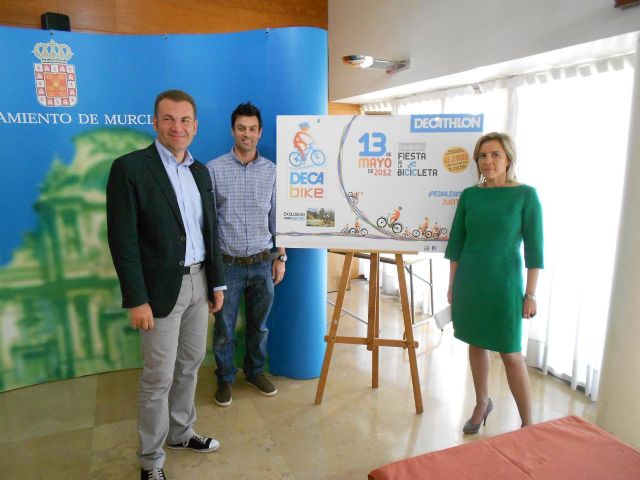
<point>70,103</point>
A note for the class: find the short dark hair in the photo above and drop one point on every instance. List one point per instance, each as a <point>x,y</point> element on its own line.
<point>246,110</point>
<point>176,96</point>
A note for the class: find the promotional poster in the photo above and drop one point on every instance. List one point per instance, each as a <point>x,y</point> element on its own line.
<point>373,183</point>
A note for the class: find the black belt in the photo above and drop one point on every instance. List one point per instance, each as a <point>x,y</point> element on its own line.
<point>191,269</point>
<point>246,261</point>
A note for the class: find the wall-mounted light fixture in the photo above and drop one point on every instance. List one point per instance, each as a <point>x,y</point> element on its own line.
<point>367,61</point>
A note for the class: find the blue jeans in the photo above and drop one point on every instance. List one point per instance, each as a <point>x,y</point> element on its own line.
<point>256,284</point>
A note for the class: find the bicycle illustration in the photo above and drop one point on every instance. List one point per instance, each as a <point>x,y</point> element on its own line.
<point>355,230</point>
<point>386,221</point>
<point>422,228</point>
<point>354,197</point>
<point>408,233</point>
<point>435,233</point>
<point>316,156</point>
<point>358,231</point>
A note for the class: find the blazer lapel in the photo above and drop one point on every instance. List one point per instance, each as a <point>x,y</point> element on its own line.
<point>204,187</point>
<point>157,168</point>
<point>196,171</point>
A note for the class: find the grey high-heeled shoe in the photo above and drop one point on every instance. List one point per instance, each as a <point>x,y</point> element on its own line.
<point>471,428</point>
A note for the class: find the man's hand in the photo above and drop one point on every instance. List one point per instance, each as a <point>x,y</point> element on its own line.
<point>218,300</point>
<point>142,317</point>
<point>277,271</point>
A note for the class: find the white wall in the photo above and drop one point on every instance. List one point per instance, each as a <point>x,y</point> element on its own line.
<point>446,37</point>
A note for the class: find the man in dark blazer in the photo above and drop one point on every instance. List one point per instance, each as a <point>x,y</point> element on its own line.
<point>163,238</point>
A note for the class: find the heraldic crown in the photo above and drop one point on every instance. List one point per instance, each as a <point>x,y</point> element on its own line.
<point>52,52</point>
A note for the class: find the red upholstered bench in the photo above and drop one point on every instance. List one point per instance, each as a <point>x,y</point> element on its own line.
<point>565,449</point>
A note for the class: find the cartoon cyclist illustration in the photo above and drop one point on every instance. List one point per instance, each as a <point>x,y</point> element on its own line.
<point>424,225</point>
<point>436,232</point>
<point>304,150</point>
<point>395,216</point>
<point>422,229</point>
<point>302,139</point>
<point>391,221</point>
<point>357,229</point>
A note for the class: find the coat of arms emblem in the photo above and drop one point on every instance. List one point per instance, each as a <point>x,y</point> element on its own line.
<point>55,78</point>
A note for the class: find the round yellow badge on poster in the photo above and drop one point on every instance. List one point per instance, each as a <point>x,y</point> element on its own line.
<point>455,159</point>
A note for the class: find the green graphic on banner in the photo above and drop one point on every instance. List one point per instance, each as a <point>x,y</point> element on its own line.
<point>60,303</point>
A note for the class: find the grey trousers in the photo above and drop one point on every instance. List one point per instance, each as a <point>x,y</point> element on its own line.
<point>171,355</point>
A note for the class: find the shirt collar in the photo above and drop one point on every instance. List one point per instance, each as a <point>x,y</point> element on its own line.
<point>169,158</point>
<point>237,160</point>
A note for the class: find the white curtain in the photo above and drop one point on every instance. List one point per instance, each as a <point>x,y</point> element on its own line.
<point>571,128</point>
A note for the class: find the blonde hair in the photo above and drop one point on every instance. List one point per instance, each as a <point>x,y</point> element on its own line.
<point>509,147</point>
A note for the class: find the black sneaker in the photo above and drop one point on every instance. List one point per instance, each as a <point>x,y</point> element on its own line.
<point>197,443</point>
<point>265,387</point>
<point>223,395</point>
<point>153,474</point>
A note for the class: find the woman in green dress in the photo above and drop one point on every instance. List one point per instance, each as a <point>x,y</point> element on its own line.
<point>486,291</point>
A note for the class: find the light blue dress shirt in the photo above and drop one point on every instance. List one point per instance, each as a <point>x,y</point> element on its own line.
<point>189,202</point>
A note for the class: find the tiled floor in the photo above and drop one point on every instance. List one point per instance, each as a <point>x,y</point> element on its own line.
<point>86,427</point>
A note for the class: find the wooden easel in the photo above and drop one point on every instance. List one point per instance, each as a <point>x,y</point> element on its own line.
<point>372,340</point>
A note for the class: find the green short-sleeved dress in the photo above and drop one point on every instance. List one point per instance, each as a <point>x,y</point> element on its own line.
<point>488,229</point>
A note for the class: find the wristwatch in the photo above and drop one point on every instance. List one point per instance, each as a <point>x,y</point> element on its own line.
<point>283,257</point>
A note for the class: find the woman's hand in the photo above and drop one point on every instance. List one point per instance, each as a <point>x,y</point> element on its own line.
<point>450,295</point>
<point>529,307</point>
